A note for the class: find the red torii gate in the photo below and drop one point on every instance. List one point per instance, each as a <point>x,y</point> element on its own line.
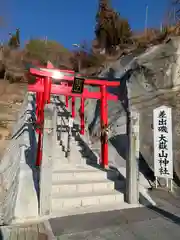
<point>54,81</point>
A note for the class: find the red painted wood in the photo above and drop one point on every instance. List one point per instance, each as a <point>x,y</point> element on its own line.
<point>54,74</point>
<point>44,88</point>
<point>73,107</point>
<point>82,116</point>
<point>104,125</point>
<point>66,91</point>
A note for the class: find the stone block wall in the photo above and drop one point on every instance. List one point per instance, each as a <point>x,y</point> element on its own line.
<point>10,167</point>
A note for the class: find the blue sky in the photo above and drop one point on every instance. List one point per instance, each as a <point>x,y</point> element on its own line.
<point>72,21</point>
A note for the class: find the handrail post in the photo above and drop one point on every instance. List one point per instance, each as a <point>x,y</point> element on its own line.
<point>70,126</point>
<point>49,136</point>
<point>60,131</point>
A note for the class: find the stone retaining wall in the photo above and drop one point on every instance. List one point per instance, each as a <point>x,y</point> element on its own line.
<point>10,164</point>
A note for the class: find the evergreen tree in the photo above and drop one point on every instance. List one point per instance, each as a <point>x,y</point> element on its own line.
<point>111,30</point>
<point>14,41</point>
<point>18,36</point>
<point>103,18</point>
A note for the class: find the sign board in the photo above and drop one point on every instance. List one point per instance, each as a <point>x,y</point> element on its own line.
<point>71,121</point>
<point>163,152</point>
<point>78,85</point>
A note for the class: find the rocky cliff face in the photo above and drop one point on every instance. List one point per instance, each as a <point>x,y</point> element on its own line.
<point>153,79</point>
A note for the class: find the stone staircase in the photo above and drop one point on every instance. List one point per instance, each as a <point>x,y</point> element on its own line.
<point>79,185</point>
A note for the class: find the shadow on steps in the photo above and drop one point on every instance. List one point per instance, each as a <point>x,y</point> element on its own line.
<point>92,158</point>
<point>31,153</point>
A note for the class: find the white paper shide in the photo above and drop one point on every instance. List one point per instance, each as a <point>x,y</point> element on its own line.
<point>163,155</point>
<point>71,122</point>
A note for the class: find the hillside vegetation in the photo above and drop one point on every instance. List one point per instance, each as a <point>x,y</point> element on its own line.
<point>113,38</point>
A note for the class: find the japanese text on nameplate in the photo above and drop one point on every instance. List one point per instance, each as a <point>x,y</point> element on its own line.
<point>78,85</point>
<point>163,142</point>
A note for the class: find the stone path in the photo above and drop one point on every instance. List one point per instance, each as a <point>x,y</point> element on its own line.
<point>161,222</point>
<point>158,223</point>
<point>32,231</point>
<point>157,229</point>
<point>128,224</point>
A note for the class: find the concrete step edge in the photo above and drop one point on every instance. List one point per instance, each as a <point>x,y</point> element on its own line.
<point>59,212</point>
<point>109,192</point>
<point>85,181</point>
<point>78,171</point>
<point>90,186</point>
<point>88,200</point>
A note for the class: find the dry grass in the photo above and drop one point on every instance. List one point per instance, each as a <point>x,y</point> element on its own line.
<point>13,60</point>
<point>3,124</point>
<point>11,97</point>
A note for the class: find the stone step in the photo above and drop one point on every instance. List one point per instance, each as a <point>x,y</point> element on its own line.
<point>74,167</point>
<point>61,162</point>
<point>60,201</point>
<point>80,147</point>
<point>82,186</point>
<point>58,151</point>
<point>92,209</point>
<point>74,156</point>
<point>58,162</point>
<point>73,145</point>
<point>85,148</point>
<point>60,155</point>
<point>63,141</point>
<point>83,174</point>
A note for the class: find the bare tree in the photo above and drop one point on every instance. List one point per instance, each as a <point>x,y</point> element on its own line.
<point>175,10</point>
